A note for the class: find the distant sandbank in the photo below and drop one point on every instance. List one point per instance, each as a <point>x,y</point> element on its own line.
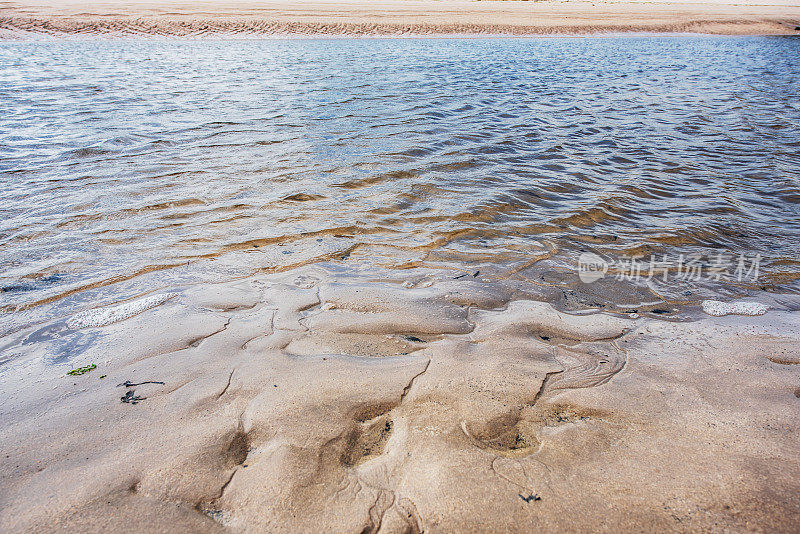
<point>179,18</point>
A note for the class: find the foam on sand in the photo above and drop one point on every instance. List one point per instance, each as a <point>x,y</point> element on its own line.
<point>718,308</point>
<point>113,314</point>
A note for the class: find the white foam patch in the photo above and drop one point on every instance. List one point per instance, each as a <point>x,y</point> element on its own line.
<point>718,308</point>
<point>113,314</point>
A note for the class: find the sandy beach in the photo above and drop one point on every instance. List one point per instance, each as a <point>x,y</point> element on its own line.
<point>305,402</point>
<point>399,285</point>
<point>393,17</point>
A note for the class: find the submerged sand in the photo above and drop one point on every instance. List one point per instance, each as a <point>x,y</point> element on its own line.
<point>180,18</point>
<point>314,401</point>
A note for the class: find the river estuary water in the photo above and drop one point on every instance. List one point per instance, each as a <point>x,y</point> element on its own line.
<point>142,165</point>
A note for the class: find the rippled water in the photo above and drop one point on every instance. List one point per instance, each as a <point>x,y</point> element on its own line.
<point>134,165</point>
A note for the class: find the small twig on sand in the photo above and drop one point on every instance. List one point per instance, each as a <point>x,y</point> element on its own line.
<point>129,384</point>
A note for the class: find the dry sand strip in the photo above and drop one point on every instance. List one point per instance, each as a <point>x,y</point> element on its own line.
<point>307,403</point>
<point>19,19</point>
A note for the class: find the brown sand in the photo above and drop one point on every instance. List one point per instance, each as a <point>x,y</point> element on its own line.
<point>391,17</point>
<point>304,402</point>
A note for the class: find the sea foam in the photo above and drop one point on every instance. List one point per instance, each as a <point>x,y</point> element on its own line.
<point>718,308</point>
<point>113,314</point>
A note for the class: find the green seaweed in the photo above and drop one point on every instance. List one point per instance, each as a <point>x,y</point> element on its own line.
<point>82,370</point>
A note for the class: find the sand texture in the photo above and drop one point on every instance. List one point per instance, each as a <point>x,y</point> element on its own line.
<point>19,19</point>
<point>308,402</point>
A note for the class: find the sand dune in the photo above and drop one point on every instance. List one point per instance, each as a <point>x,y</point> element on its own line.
<point>391,17</point>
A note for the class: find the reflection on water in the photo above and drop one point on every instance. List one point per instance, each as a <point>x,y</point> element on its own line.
<point>132,165</point>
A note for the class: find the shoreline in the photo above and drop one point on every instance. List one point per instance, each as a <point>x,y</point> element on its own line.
<point>11,36</point>
<point>175,18</point>
<point>398,287</point>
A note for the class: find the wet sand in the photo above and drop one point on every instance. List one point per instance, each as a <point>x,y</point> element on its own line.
<point>392,17</point>
<point>328,397</point>
<point>340,401</point>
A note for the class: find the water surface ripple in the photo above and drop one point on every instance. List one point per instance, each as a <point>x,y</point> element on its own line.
<point>129,165</point>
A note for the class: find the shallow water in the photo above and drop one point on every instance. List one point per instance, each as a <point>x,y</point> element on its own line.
<point>130,166</point>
